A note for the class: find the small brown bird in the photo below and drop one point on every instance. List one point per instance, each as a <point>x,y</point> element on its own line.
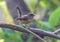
<point>25,18</point>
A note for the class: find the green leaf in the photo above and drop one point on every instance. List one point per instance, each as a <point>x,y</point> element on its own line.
<point>55,16</point>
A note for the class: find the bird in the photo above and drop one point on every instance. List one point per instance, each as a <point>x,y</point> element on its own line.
<point>27,18</point>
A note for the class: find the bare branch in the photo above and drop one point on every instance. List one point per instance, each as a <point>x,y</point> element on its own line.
<point>57,31</point>
<point>44,33</point>
<point>35,35</point>
<point>18,28</point>
<point>35,30</point>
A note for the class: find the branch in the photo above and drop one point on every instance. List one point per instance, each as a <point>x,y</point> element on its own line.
<point>16,27</point>
<point>35,35</point>
<point>57,31</point>
<point>37,31</point>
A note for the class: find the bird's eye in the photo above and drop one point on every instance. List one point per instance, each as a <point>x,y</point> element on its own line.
<point>31,14</point>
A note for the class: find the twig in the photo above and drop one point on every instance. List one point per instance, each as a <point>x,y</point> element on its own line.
<point>57,31</point>
<point>45,33</point>
<point>37,31</point>
<point>35,35</point>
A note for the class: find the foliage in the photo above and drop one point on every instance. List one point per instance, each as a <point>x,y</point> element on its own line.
<point>55,16</point>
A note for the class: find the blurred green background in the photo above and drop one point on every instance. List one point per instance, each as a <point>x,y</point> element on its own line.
<point>47,18</point>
